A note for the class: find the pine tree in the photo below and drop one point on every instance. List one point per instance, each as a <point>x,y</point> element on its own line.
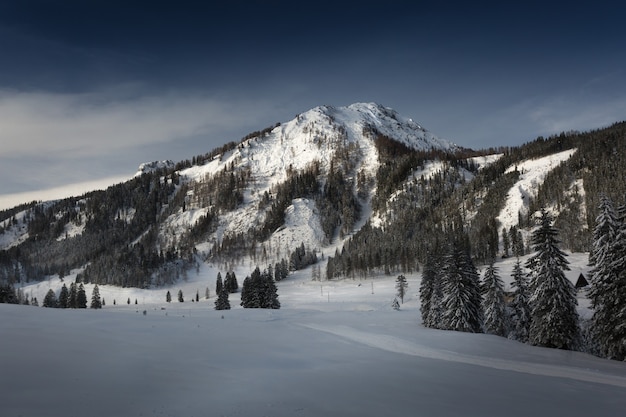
<point>50,300</point>
<point>554,319</point>
<point>197,296</point>
<point>96,303</point>
<point>180,296</point>
<point>64,297</point>
<point>608,281</point>
<point>461,292</point>
<point>222,303</point>
<point>81,297</point>
<point>230,283</point>
<point>520,305</point>
<point>168,297</point>
<point>428,287</point>
<point>218,284</point>
<point>395,304</point>
<point>73,293</point>
<point>207,294</point>
<point>401,286</point>
<point>494,306</point>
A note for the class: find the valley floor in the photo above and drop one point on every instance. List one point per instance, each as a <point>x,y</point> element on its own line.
<point>332,349</point>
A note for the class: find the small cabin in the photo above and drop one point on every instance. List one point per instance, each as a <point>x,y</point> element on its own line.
<point>581,282</point>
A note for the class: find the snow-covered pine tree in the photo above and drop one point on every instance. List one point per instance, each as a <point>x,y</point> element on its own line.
<point>395,304</point>
<point>168,297</point>
<point>181,299</point>
<point>494,305</point>
<point>554,319</point>
<point>219,284</point>
<point>96,302</point>
<point>401,286</point>
<point>81,297</point>
<point>608,281</point>
<point>50,300</point>
<point>428,287</point>
<point>462,310</point>
<point>269,297</point>
<point>71,303</point>
<point>222,303</point>
<point>230,283</point>
<point>520,317</point>
<point>64,297</point>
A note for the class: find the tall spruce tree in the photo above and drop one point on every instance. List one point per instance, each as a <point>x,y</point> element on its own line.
<point>71,303</point>
<point>520,305</point>
<point>81,297</point>
<point>218,284</point>
<point>462,310</point>
<point>50,300</point>
<point>222,303</point>
<point>608,281</point>
<point>554,319</point>
<point>429,285</point>
<point>64,297</point>
<point>494,305</point>
<point>96,302</point>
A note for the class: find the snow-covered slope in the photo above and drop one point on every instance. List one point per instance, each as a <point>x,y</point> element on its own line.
<point>532,173</point>
<point>315,136</point>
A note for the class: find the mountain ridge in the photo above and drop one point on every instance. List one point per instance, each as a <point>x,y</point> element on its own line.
<point>326,180</point>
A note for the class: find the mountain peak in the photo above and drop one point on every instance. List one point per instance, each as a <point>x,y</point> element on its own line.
<point>357,118</point>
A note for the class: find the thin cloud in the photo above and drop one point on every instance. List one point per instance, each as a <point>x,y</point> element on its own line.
<point>81,125</point>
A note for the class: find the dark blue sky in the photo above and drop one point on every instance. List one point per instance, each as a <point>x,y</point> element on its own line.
<point>90,89</point>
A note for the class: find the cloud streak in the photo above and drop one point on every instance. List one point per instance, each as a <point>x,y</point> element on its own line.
<point>81,125</point>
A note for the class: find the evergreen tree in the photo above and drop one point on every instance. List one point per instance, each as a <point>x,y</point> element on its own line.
<point>230,283</point>
<point>461,292</point>
<point>197,296</point>
<point>64,297</point>
<point>50,300</point>
<point>554,319</point>
<point>608,281</point>
<point>520,305</point>
<point>428,287</point>
<point>81,297</point>
<point>73,294</point>
<point>96,303</point>
<point>395,304</point>
<point>494,306</point>
<point>128,301</point>
<point>401,286</point>
<point>207,294</point>
<point>180,296</point>
<point>168,297</point>
<point>218,284</point>
<point>222,303</point>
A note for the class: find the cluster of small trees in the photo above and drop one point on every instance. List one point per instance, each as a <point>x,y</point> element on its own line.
<point>543,307</point>
<point>74,297</point>
<point>259,291</point>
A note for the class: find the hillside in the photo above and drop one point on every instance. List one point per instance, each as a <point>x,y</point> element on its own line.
<point>362,185</point>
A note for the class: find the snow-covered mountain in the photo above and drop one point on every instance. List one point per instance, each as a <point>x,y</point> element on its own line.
<point>360,182</point>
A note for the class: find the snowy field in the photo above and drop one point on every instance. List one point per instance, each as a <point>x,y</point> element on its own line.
<point>333,349</point>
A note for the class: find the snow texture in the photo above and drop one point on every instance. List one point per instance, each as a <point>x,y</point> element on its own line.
<point>334,348</point>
